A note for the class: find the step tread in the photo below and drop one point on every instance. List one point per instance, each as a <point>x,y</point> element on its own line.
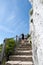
<point>21,56</point>
<point>26,51</point>
<point>23,52</point>
<point>19,62</point>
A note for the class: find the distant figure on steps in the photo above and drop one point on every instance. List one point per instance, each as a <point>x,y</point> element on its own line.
<point>22,38</point>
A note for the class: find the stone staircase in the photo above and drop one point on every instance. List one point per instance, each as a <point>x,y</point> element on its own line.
<point>22,55</point>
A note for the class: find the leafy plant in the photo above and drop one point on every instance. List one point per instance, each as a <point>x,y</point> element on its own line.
<point>28,35</point>
<point>10,44</point>
<point>31,12</point>
<point>1,47</point>
<point>31,20</point>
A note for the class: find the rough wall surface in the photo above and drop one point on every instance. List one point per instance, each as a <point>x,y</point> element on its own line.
<point>36,29</point>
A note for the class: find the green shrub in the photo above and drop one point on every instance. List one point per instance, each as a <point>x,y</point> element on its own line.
<point>1,47</point>
<point>10,45</point>
<point>31,12</point>
<point>28,35</point>
<point>31,20</point>
<point>0,50</point>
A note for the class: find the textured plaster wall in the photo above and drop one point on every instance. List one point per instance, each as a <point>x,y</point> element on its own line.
<point>36,30</point>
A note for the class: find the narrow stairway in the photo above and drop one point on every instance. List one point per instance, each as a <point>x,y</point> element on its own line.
<point>22,55</point>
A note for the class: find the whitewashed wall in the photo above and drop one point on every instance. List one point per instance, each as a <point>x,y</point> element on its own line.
<point>36,29</point>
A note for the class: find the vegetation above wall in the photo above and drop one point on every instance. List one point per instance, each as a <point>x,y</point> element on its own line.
<point>28,35</point>
<point>31,12</point>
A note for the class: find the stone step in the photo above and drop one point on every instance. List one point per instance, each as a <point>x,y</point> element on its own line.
<point>19,63</point>
<point>29,48</point>
<point>26,51</point>
<point>25,44</point>
<point>21,57</point>
<point>24,47</point>
<point>22,52</point>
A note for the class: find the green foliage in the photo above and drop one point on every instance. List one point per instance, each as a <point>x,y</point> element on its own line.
<point>31,12</point>
<point>0,50</point>
<point>31,20</point>
<point>28,35</point>
<point>1,47</point>
<point>10,44</point>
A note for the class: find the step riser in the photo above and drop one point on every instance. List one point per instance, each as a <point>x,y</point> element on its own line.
<point>25,44</point>
<point>19,64</point>
<point>24,47</point>
<point>20,58</point>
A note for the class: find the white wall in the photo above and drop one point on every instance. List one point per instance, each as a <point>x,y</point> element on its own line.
<point>37,32</point>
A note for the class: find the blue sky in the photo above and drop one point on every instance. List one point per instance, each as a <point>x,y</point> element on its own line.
<point>14,18</point>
